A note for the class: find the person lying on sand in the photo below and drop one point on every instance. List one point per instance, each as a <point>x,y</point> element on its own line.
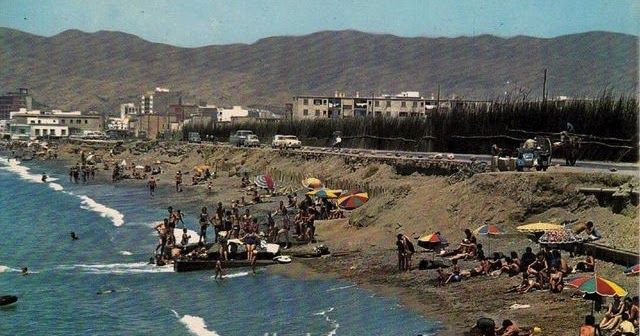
<point>529,283</point>
<point>508,329</point>
<point>455,275</point>
<point>468,251</point>
<point>481,269</point>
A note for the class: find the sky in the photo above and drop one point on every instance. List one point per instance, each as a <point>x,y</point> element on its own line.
<point>193,23</point>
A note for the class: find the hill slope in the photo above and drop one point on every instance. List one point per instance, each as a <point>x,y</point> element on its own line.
<point>100,70</point>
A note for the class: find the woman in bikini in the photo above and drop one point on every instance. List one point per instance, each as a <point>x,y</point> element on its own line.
<point>556,280</point>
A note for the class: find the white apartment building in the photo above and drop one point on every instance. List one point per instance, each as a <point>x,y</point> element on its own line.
<point>226,114</point>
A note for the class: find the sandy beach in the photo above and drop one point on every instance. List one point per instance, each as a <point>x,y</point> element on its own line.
<point>412,205</point>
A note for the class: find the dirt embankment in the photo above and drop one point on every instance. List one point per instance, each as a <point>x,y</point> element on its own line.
<point>414,204</point>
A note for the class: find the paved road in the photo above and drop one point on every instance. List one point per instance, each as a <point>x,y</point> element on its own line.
<point>599,166</point>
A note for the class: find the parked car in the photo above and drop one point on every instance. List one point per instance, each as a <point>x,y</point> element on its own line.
<point>252,141</point>
<point>239,137</point>
<point>194,137</point>
<point>286,141</point>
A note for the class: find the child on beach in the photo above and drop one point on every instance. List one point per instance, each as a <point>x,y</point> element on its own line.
<point>219,270</point>
<point>185,238</point>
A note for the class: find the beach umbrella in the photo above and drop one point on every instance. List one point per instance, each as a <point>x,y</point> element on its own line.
<point>352,201</point>
<point>264,182</point>
<point>312,183</point>
<point>594,284</point>
<point>430,240</point>
<point>488,230</point>
<point>202,168</point>
<point>539,227</point>
<point>633,270</point>
<point>325,193</point>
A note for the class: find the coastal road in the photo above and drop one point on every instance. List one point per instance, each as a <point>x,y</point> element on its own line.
<point>583,166</point>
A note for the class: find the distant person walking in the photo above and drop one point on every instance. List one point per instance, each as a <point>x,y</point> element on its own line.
<point>179,181</point>
<point>152,186</point>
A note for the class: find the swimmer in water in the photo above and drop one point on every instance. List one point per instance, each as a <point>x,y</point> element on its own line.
<point>25,271</point>
<point>73,236</point>
<point>44,177</point>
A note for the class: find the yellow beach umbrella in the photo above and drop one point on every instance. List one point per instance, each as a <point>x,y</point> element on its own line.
<point>539,227</point>
<point>325,193</point>
<point>312,183</point>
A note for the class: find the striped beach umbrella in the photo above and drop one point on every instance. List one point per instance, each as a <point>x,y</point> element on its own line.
<point>489,230</point>
<point>264,182</point>
<point>633,270</point>
<point>593,284</point>
<point>430,240</point>
<point>353,201</point>
<point>312,183</point>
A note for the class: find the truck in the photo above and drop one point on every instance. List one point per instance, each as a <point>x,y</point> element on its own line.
<point>238,138</point>
<point>194,137</point>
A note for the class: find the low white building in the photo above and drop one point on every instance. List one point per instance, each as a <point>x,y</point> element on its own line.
<point>226,114</point>
<point>30,124</point>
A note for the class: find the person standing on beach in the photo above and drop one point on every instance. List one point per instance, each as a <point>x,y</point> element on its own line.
<point>152,186</point>
<point>401,252</point>
<point>179,181</point>
<point>204,222</point>
<point>162,234</point>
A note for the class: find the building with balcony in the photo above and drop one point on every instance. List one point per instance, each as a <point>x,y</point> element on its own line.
<point>31,124</point>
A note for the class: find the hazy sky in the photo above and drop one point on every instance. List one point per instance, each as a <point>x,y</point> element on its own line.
<point>203,22</point>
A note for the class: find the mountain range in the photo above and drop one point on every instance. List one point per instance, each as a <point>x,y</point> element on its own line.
<point>98,71</point>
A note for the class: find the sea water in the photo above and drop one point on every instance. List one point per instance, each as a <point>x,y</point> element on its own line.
<point>115,226</point>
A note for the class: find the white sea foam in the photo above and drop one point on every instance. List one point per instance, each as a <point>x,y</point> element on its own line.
<point>118,268</point>
<point>7,269</point>
<point>116,217</point>
<point>334,324</point>
<point>126,253</point>
<point>339,288</point>
<point>195,325</point>
<point>234,275</point>
<point>22,171</point>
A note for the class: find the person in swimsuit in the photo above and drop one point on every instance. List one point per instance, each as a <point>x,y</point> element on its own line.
<point>588,265</point>
<point>556,280</point>
<point>204,222</point>
<point>455,275</point>
<point>508,329</point>
<point>589,328</point>
<point>185,237</point>
<point>613,315</point>
<point>284,231</point>
<point>178,181</point>
<point>538,268</point>
<point>162,234</point>
<point>219,270</point>
<point>251,239</point>
<point>152,186</point>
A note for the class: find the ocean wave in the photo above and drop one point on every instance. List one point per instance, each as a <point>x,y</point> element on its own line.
<point>234,275</point>
<point>195,325</point>
<point>339,288</point>
<point>14,166</point>
<point>334,324</point>
<point>116,217</point>
<point>126,253</point>
<point>118,268</point>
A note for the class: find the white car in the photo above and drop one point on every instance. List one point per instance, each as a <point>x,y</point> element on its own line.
<point>286,141</point>
<point>252,141</point>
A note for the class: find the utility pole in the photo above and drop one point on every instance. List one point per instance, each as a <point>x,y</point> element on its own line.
<point>544,86</point>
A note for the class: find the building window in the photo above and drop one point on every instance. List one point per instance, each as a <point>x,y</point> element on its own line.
<point>324,113</point>
<point>37,132</point>
<point>388,103</point>
<point>62,121</point>
<point>86,121</point>
<point>415,104</point>
<point>63,132</point>
<point>317,102</point>
<point>403,104</point>
<point>388,113</point>
<point>305,112</point>
<point>44,132</point>
<point>52,132</point>
<point>22,131</point>
<point>324,102</point>
<point>33,121</point>
<point>378,113</point>
<point>39,121</point>
<point>305,102</point>
<point>377,103</point>
<point>78,121</point>
<point>317,113</point>
<point>402,114</point>
<point>421,103</point>
<point>414,114</point>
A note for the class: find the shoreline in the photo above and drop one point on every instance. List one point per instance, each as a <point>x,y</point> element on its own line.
<point>371,265</point>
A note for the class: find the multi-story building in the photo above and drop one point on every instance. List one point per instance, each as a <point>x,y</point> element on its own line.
<point>14,101</point>
<point>128,109</point>
<point>226,114</point>
<point>25,124</point>
<point>159,101</point>
<point>405,104</point>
